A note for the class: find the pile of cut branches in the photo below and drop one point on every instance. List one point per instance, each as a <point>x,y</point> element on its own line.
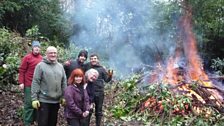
<point>159,103</point>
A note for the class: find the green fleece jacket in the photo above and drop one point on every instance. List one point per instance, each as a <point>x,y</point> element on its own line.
<point>49,82</point>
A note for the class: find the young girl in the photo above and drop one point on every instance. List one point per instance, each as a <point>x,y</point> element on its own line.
<point>77,99</point>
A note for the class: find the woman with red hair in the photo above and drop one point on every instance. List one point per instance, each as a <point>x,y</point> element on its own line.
<point>77,99</point>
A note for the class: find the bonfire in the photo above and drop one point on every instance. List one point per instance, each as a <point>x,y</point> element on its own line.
<point>184,75</point>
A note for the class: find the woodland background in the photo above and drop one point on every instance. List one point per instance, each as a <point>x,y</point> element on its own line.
<point>22,21</point>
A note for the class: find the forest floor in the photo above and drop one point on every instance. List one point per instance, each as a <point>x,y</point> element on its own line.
<point>11,109</point>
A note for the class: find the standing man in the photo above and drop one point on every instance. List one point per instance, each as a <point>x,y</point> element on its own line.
<point>47,89</point>
<point>70,65</point>
<point>97,87</point>
<point>26,71</point>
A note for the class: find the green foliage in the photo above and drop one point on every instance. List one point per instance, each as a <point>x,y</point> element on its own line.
<point>208,24</point>
<point>8,6</point>
<point>13,47</point>
<point>207,21</point>
<point>33,32</point>
<point>168,16</point>
<point>46,14</point>
<point>128,99</point>
<point>10,58</point>
<point>208,16</point>
<point>164,106</point>
<point>218,65</point>
<point>20,112</point>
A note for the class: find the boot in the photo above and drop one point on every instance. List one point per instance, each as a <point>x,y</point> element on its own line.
<point>98,120</point>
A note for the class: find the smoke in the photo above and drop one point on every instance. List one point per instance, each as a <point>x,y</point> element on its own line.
<point>123,32</point>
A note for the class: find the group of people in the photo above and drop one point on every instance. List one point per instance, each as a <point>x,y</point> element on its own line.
<point>76,85</point>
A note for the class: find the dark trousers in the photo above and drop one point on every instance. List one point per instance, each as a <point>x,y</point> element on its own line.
<point>76,122</point>
<point>98,100</point>
<point>48,114</point>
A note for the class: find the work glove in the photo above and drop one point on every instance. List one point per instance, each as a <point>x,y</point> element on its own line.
<point>62,101</point>
<point>110,73</point>
<point>36,104</point>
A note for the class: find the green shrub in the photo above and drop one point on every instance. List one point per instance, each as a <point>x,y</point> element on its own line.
<point>10,52</point>
<point>218,66</point>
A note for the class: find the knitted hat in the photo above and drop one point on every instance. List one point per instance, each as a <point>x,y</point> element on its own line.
<point>35,43</point>
<point>83,53</point>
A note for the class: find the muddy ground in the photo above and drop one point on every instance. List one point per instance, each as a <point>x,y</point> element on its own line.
<point>12,103</point>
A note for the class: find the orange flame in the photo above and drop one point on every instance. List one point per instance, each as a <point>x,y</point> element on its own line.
<point>194,65</point>
<point>193,69</point>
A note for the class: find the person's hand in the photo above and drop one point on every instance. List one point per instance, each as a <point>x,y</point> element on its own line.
<point>110,73</point>
<point>67,63</point>
<point>85,114</point>
<point>62,101</point>
<point>91,105</point>
<point>36,104</point>
<point>85,85</point>
<point>21,86</point>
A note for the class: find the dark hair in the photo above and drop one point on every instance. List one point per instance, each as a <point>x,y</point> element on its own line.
<point>94,54</point>
<point>76,73</point>
<point>83,53</point>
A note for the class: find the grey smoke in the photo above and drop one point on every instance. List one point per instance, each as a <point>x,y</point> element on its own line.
<point>122,32</point>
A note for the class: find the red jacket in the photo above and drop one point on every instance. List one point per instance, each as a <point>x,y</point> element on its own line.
<point>27,68</point>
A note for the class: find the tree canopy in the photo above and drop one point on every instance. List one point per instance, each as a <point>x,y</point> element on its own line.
<point>21,15</point>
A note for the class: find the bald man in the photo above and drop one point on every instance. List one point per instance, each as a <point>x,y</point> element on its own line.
<point>47,88</point>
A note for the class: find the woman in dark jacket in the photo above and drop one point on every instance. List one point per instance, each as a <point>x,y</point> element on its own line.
<point>77,99</point>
